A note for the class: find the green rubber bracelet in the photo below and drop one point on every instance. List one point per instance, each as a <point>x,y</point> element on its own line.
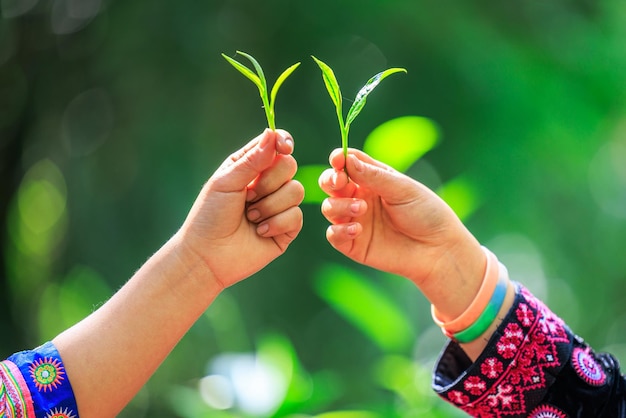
<point>487,317</point>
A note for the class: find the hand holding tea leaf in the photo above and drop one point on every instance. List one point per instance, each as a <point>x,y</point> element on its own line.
<point>259,80</point>
<point>359,102</point>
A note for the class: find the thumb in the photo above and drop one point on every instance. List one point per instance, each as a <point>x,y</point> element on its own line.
<point>391,185</point>
<point>244,165</point>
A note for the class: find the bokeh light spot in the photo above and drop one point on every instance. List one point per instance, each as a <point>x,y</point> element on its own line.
<point>41,206</point>
<point>69,16</point>
<point>217,391</point>
<point>15,8</point>
<point>87,122</point>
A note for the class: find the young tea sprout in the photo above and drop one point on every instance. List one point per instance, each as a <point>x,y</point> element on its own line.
<point>359,102</point>
<point>259,80</point>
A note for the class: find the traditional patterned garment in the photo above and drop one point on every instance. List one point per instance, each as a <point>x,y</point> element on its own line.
<point>33,384</point>
<point>533,366</point>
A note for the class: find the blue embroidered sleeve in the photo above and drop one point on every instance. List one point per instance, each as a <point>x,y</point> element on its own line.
<point>533,366</point>
<point>34,384</point>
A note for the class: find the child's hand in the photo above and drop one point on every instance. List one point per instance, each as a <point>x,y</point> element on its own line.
<point>247,213</point>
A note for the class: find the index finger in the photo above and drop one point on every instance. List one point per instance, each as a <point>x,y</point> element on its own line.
<point>283,142</point>
<point>336,183</point>
<point>244,165</point>
<point>338,161</point>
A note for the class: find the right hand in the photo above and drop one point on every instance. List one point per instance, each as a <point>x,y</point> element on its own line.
<point>386,220</point>
<point>247,213</point>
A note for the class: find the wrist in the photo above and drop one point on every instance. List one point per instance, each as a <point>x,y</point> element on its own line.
<point>456,275</point>
<point>191,266</point>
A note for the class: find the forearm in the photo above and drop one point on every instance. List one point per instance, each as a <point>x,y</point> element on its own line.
<point>113,352</point>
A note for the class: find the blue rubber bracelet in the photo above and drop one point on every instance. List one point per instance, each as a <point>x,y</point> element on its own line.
<point>490,312</point>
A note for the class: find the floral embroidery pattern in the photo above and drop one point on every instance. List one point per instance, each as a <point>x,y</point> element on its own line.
<point>587,368</point>
<point>518,366</point>
<point>47,374</point>
<point>547,411</point>
<point>61,413</point>
<point>36,385</point>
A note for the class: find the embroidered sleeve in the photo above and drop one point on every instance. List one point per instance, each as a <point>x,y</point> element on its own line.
<point>33,384</point>
<point>533,366</point>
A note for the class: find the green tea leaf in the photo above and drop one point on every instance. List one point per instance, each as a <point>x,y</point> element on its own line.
<point>259,80</point>
<point>280,80</point>
<point>245,71</point>
<point>359,101</point>
<point>258,69</point>
<point>331,83</point>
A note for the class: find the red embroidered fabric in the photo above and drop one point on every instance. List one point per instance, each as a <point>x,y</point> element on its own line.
<point>515,371</point>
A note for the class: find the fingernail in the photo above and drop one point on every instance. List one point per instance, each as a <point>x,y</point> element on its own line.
<point>351,229</point>
<point>250,195</point>
<point>289,142</point>
<point>355,206</point>
<point>253,214</point>
<point>262,229</point>
<point>285,139</point>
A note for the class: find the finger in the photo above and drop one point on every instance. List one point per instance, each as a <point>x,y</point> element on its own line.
<point>243,166</point>
<point>342,236</point>
<point>290,194</point>
<point>339,210</point>
<point>288,222</point>
<point>246,148</point>
<point>336,183</point>
<point>391,185</point>
<point>337,159</point>
<point>282,170</point>
<point>284,142</point>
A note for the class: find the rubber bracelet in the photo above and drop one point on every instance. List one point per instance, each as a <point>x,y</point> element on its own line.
<point>473,311</point>
<point>488,316</point>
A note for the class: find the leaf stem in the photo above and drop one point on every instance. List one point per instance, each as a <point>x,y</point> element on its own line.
<point>269,112</point>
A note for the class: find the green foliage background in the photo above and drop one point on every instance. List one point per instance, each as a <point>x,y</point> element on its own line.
<point>113,114</point>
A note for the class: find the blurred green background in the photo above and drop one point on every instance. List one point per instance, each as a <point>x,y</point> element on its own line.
<point>113,114</point>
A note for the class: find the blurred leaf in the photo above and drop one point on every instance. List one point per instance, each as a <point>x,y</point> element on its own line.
<point>364,305</point>
<point>277,350</point>
<point>308,175</point>
<point>78,295</point>
<point>81,293</point>
<point>461,195</point>
<point>400,142</point>
<point>410,381</point>
<point>348,414</point>
<point>187,403</point>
